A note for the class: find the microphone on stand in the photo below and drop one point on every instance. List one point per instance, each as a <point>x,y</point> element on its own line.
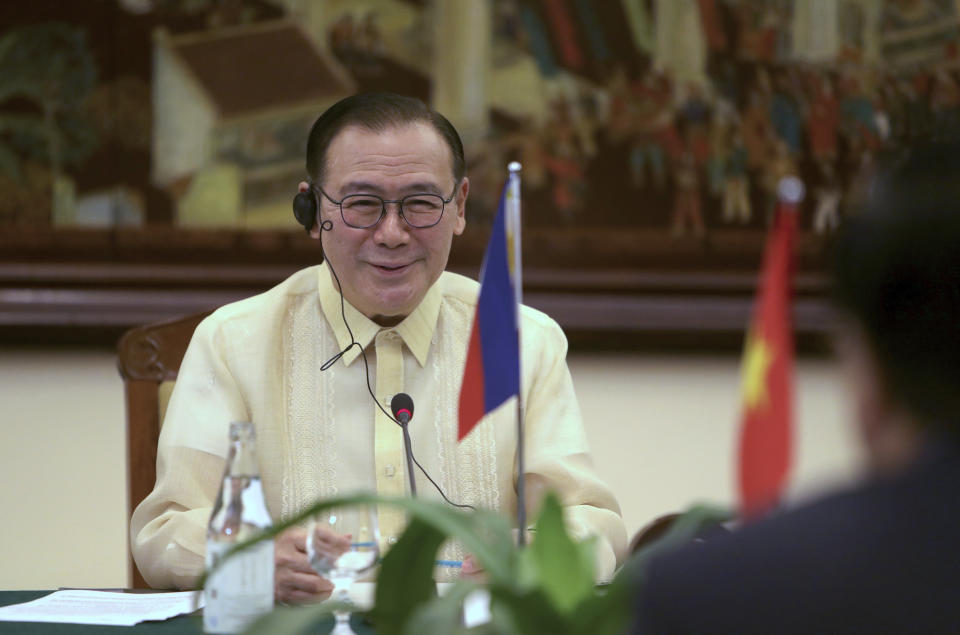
<point>402,407</point>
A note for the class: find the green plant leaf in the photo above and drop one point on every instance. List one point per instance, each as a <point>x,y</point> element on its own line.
<point>531,611</point>
<point>442,615</point>
<point>606,612</point>
<point>289,619</point>
<point>405,580</point>
<point>564,568</point>
<point>485,534</point>
<point>548,589</point>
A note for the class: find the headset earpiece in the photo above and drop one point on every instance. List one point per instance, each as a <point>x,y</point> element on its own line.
<point>305,209</point>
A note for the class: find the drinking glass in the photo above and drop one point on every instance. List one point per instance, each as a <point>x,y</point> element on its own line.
<point>343,543</point>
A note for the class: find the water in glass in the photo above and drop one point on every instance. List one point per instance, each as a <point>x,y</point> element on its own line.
<point>342,544</point>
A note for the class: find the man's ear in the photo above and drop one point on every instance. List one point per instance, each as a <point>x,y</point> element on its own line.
<point>461,198</point>
<point>314,231</point>
<point>880,419</point>
<point>862,375</point>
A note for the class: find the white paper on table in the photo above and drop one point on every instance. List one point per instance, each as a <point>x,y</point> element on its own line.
<point>102,607</point>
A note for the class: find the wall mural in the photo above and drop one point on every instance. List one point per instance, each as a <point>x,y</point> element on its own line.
<point>672,119</point>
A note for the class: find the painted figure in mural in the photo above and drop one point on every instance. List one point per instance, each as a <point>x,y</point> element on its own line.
<point>687,212</point>
<point>693,119</point>
<point>369,42</point>
<point>694,110</point>
<point>780,164</point>
<point>757,130</point>
<point>736,185</point>
<point>341,36</point>
<point>857,114</point>
<point>785,113</point>
<point>758,31</point>
<point>823,120</point>
<point>655,134</point>
<point>357,43</point>
<point>881,120</point>
<point>564,163</point>
<point>388,190</point>
<point>827,197</point>
<point>529,142</point>
<point>584,118</point>
<point>619,116</point>
<point>719,152</point>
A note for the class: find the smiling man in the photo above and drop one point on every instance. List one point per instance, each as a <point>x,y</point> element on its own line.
<point>388,193</point>
<point>386,268</point>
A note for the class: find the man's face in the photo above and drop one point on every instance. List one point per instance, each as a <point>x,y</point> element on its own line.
<point>386,270</point>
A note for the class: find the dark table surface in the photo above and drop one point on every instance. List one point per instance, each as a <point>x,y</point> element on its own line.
<point>183,624</point>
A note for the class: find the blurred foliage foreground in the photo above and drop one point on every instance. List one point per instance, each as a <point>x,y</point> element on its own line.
<point>545,588</point>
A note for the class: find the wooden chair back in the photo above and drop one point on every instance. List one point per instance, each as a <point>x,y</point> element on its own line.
<point>147,356</point>
<point>652,531</point>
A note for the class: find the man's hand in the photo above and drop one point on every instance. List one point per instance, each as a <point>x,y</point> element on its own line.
<point>294,580</point>
<point>471,570</point>
<point>328,547</point>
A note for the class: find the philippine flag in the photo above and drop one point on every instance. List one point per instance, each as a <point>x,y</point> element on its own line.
<point>492,371</point>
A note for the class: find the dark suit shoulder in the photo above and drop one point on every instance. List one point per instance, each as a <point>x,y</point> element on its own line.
<point>882,555</point>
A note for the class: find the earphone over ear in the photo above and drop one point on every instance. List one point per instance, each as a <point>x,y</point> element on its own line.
<point>305,208</point>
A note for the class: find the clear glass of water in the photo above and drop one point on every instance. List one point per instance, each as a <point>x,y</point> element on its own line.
<point>343,543</point>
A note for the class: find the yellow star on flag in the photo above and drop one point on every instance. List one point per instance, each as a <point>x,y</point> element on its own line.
<point>757,359</point>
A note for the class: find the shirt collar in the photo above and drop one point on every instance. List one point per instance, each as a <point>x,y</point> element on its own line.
<point>416,330</point>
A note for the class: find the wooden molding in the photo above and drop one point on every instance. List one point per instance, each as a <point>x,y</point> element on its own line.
<point>73,285</point>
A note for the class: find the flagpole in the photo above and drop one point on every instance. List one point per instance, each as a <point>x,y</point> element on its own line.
<point>516,270</point>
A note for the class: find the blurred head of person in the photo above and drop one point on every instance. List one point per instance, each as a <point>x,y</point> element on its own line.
<point>896,283</point>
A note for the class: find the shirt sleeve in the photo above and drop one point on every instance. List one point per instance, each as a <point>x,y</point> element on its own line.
<point>168,528</point>
<point>557,453</point>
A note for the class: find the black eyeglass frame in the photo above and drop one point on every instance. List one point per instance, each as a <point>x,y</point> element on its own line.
<point>383,207</point>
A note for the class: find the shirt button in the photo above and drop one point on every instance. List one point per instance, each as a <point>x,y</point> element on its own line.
<point>390,471</point>
<point>391,540</point>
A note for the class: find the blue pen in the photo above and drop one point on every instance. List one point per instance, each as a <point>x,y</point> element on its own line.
<point>453,564</point>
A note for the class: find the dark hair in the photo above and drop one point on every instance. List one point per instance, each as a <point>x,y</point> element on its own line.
<point>377,112</point>
<point>896,271</point>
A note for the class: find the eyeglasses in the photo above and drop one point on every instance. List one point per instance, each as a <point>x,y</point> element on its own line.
<point>362,211</point>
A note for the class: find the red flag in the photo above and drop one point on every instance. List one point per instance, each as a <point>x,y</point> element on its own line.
<point>767,368</point>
